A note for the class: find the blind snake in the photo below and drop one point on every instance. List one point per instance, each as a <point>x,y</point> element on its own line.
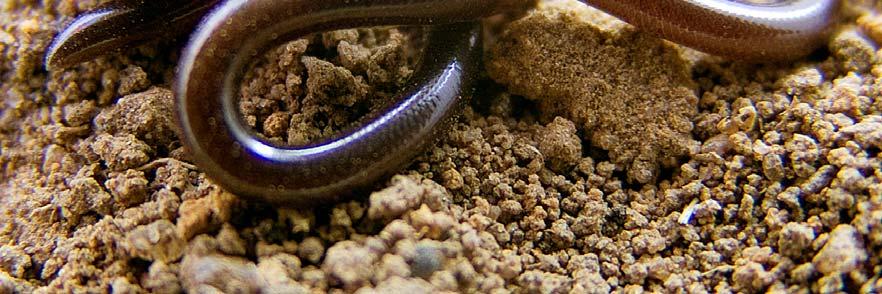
<point>229,34</point>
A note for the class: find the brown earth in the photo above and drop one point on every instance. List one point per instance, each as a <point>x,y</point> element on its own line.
<point>615,162</point>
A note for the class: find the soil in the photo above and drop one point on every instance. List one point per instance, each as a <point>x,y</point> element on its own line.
<point>616,162</point>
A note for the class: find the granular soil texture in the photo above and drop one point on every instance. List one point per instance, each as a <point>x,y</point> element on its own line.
<point>593,159</point>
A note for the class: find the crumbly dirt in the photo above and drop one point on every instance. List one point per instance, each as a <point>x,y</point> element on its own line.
<point>597,159</point>
<point>293,98</point>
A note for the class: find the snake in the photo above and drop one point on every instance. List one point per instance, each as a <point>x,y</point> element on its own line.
<point>225,36</point>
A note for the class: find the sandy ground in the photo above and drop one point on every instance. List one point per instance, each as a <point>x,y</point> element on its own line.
<point>613,162</point>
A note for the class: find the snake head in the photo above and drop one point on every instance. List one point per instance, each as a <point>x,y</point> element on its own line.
<point>121,24</point>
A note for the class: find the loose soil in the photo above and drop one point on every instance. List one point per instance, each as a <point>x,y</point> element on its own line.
<point>593,158</point>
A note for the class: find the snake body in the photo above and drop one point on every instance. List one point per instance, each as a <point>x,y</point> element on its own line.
<point>236,31</point>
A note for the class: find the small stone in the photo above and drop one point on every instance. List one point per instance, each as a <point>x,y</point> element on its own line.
<point>156,241</point>
<point>198,216</point>
<point>868,132</point>
<point>132,79</point>
<point>561,235</point>
<point>544,282</point>
<point>128,188</point>
<point>426,260</point>
<point>229,241</point>
<point>803,81</point>
<point>121,152</point>
<point>844,251</point>
<point>433,224</point>
<point>452,179</point>
<point>752,276</point>
<point>80,113</point>
<point>147,115</point>
<point>649,241</point>
<point>162,278</point>
<point>392,265</point>
<point>349,264</point>
<point>14,261</point>
<point>329,82</point>
<point>403,194</point>
<point>276,124</point>
<point>225,274</point>
<point>852,51</point>
<point>589,282</point>
<point>311,249</point>
<point>560,144</point>
<point>773,167</point>
<point>794,239</point>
